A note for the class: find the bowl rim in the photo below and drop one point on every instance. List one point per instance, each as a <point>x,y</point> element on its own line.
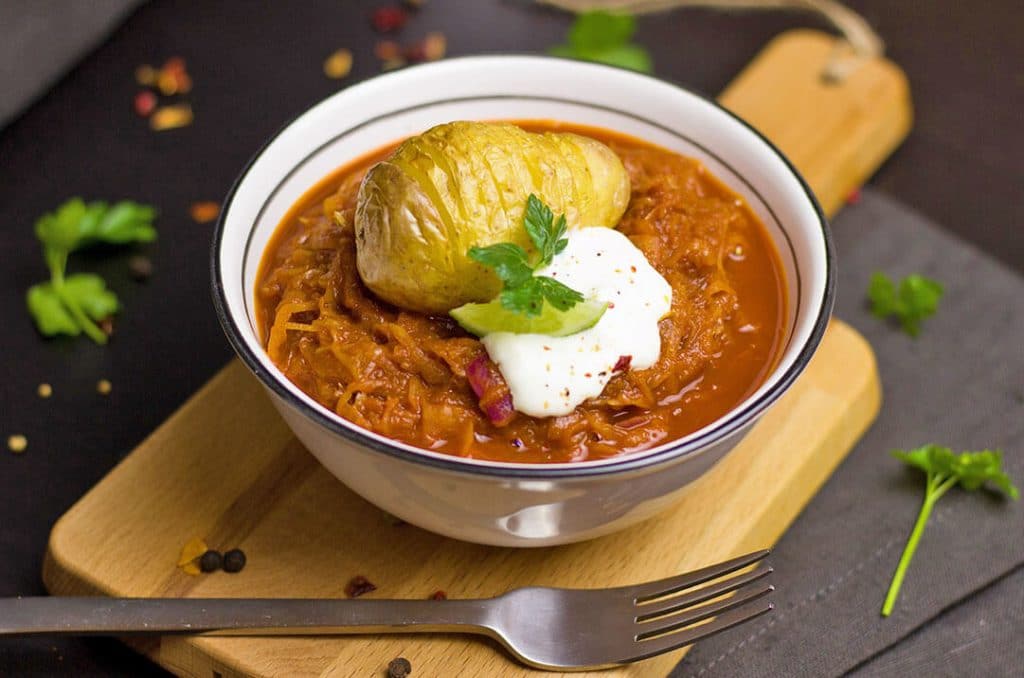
<point>717,431</point>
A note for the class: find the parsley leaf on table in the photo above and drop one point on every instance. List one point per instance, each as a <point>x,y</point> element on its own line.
<point>74,304</point>
<point>605,37</point>
<point>916,298</point>
<point>944,470</point>
<point>523,291</point>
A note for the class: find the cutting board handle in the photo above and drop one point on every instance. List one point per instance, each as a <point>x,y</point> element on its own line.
<point>837,132</point>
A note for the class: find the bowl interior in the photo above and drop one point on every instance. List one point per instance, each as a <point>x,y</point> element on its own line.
<point>365,117</point>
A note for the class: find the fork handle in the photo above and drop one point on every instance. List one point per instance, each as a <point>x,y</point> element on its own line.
<point>237,616</point>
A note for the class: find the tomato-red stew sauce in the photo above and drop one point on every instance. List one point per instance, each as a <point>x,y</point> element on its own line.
<point>403,374</point>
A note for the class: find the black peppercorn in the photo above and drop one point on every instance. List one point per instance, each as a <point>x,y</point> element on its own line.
<point>210,561</point>
<point>234,560</point>
<point>399,668</point>
<point>359,585</point>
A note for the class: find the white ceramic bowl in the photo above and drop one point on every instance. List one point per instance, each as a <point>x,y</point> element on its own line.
<point>503,503</point>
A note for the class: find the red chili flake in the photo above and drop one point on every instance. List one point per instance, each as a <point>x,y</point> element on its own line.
<point>358,586</point>
<point>144,103</point>
<point>386,50</point>
<point>588,375</point>
<point>388,19</point>
<point>622,364</point>
<point>438,595</point>
<point>633,269</point>
<point>611,304</point>
<point>854,197</point>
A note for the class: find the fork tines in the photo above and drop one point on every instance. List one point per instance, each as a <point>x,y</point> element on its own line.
<point>669,614</point>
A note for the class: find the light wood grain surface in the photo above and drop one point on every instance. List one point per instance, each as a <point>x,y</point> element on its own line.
<point>226,468</point>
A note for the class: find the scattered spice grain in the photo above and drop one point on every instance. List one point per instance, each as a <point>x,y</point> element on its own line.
<point>386,50</point>
<point>146,75</point>
<point>338,64</point>
<point>173,78</point>
<point>234,561</point>
<point>144,103</point>
<point>435,45</point>
<point>17,443</point>
<point>358,586</point>
<point>44,390</point>
<point>171,117</point>
<point>211,561</point>
<point>104,387</point>
<point>204,212</point>
<point>140,267</point>
<point>400,667</point>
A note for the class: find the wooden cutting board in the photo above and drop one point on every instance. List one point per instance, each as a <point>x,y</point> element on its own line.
<point>227,469</point>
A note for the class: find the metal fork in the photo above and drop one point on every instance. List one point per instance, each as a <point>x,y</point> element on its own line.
<point>547,628</point>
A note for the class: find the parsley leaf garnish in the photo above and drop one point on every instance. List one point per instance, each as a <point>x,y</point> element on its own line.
<point>74,304</point>
<point>916,298</point>
<point>509,261</point>
<point>605,37</point>
<point>523,291</point>
<point>945,469</point>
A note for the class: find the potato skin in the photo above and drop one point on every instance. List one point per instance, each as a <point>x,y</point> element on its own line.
<point>465,184</point>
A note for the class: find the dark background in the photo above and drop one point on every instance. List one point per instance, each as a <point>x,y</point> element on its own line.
<point>256,66</point>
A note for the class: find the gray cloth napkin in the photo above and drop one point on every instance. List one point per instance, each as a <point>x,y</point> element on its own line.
<point>960,384</point>
<point>41,39</point>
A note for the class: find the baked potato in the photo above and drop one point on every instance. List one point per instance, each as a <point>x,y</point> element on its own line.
<point>465,184</point>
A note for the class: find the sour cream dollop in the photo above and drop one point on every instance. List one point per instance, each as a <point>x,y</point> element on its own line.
<point>550,376</point>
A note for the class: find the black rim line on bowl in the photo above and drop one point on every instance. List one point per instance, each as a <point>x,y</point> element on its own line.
<point>539,471</point>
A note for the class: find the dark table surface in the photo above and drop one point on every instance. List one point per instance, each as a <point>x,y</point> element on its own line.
<point>256,68</point>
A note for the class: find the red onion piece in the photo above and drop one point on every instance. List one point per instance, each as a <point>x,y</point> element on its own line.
<point>499,411</point>
<point>479,375</point>
<point>489,386</point>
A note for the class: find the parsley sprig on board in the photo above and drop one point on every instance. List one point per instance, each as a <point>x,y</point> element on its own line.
<point>916,298</point>
<point>73,304</point>
<point>605,37</point>
<point>523,291</point>
<point>944,470</point>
